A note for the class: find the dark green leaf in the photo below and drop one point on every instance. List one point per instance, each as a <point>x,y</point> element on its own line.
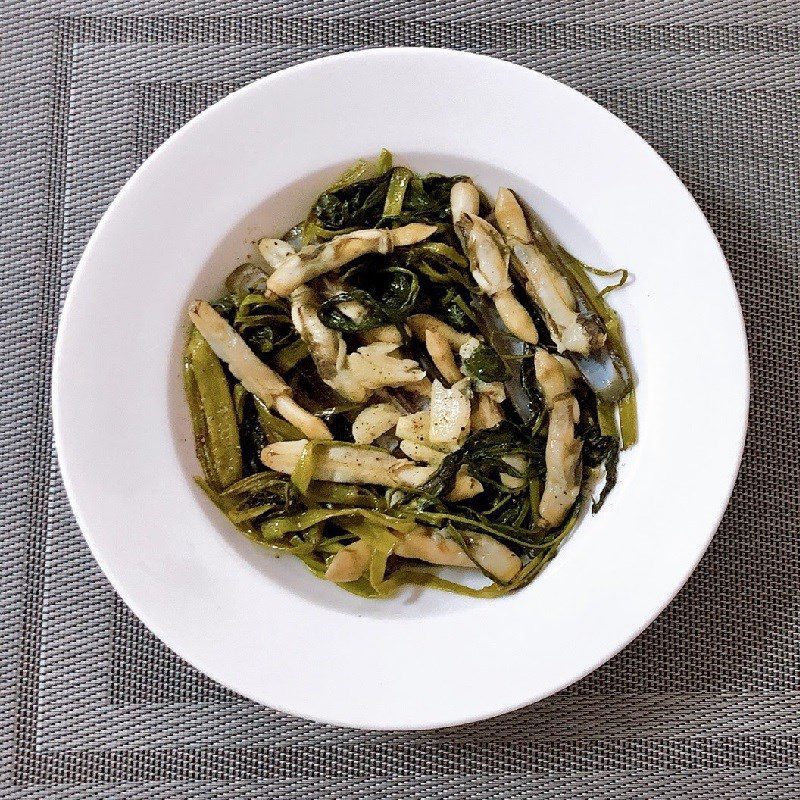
<point>597,450</point>
<point>332,316</point>
<point>456,311</point>
<point>484,364</point>
<point>512,351</point>
<point>482,454</point>
<point>397,291</point>
<point>358,204</point>
<point>428,198</point>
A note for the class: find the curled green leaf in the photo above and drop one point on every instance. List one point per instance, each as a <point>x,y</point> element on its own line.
<point>485,365</point>
<point>332,316</point>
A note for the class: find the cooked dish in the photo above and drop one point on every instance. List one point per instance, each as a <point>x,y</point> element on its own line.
<point>413,378</point>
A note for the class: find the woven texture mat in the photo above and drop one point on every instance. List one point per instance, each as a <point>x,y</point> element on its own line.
<point>703,705</point>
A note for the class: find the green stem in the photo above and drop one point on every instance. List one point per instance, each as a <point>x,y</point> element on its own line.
<point>222,445</point>
<point>628,420</point>
<point>396,192</point>
<point>607,417</point>
<point>304,468</point>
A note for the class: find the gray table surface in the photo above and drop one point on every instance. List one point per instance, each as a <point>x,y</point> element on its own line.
<point>703,705</point>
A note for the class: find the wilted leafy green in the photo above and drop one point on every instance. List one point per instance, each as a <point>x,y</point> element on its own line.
<point>331,314</point>
<point>485,365</point>
<point>599,449</point>
<point>312,519</point>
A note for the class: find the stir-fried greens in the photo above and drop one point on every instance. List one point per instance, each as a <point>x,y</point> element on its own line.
<point>413,377</point>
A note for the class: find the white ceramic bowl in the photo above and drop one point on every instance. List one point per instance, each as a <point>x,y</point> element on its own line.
<point>251,165</point>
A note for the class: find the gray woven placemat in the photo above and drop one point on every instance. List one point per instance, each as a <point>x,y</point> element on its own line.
<point>703,705</point>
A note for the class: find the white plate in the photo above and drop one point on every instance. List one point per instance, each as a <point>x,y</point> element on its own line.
<point>250,166</point>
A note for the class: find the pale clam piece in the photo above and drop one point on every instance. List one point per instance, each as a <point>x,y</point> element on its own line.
<point>551,376</point>
<point>315,260</point>
<point>274,252</point>
<point>389,334</point>
<point>510,217</point>
<point>488,258</point>
<point>426,544</point>
<point>256,377</point>
<point>350,563</point>
<point>494,557</point>
<point>441,353</point>
<point>342,463</point>
<point>465,487</point>
<point>429,545</point>
<point>563,449</point>
<point>549,289</point>
<point>374,421</point>
<point>345,463</point>
<point>486,412</point>
<point>377,365</point>
<point>449,412</point>
<point>420,324</point>
<point>413,431</point>
<point>464,199</point>
<point>421,452</point>
<point>414,427</point>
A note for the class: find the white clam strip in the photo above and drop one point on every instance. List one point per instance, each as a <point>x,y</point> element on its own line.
<point>274,252</point>
<point>449,412</point>
<point>421,388</point>
<point>374,421</point>
<point>429,545</point>
<point>426,544</point>
<point>548,289</point>
<point>489,260</point>
<point>414,427</point>
<point>254,375</point>
<point>421,452</point>
<point>494,557</point>
<point>555,382</point>
<point>464,199</point>
<point>349,463</point>
<point>441,353</point>
<point>389,334</point>
<point>315,260</point>
<point>376,365</point>
<point>489,263</point>
<point>486,413</point>
<point>420,324</point>
<point>563,450</point>
<point>413,431</point>
<point>571,372</point>
<point>465,487</point>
